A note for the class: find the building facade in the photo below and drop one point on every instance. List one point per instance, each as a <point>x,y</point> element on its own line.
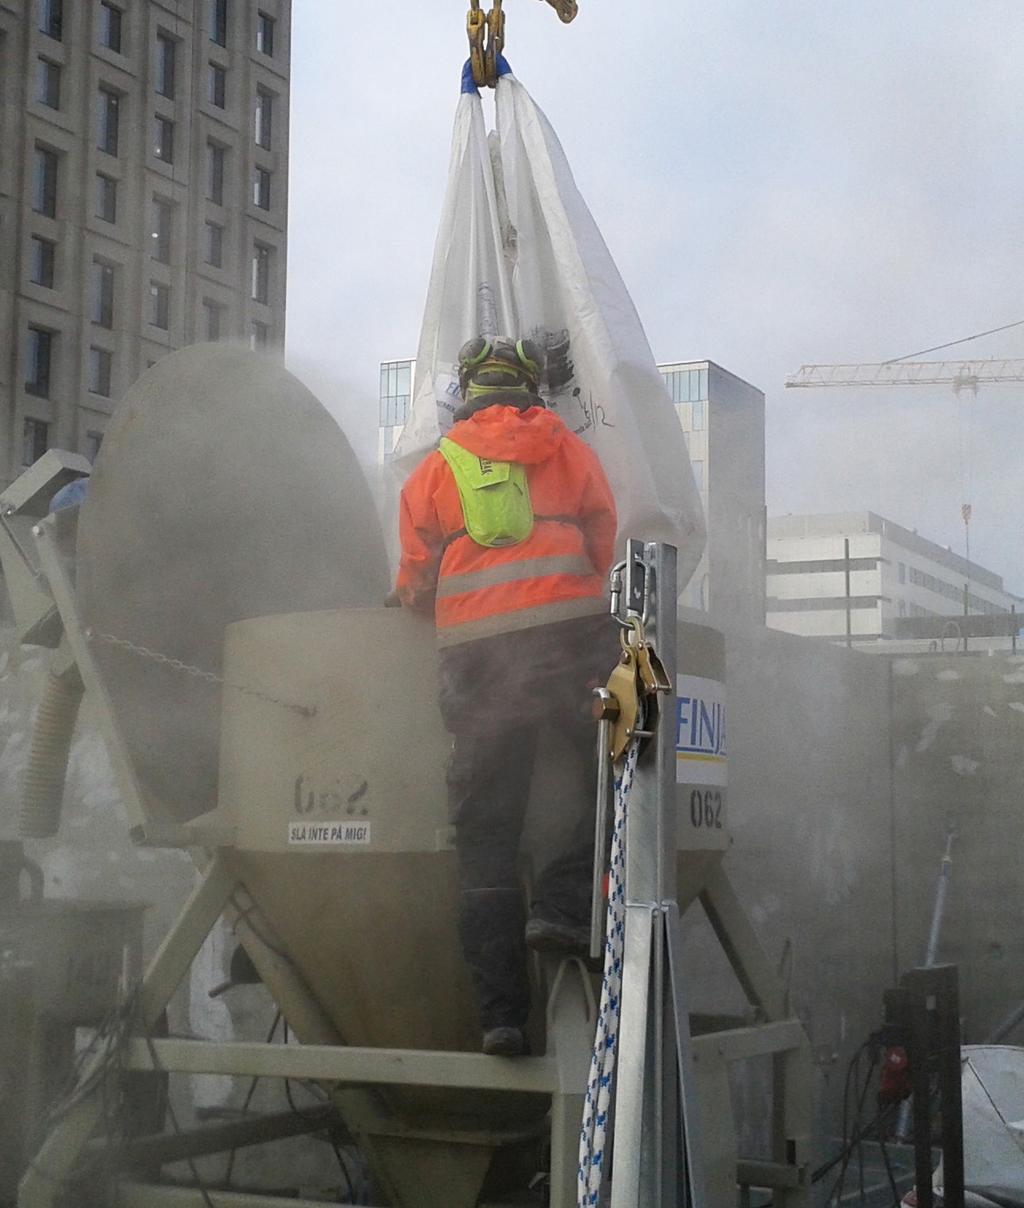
<point>143,199</point>
<point>892,573</point>
<point>397,382</point>
<point>722,417</point>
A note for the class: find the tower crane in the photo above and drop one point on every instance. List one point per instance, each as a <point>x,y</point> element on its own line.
<point>960,375</point>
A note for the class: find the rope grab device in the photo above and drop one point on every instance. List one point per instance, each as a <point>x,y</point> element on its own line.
<point>486,33</point>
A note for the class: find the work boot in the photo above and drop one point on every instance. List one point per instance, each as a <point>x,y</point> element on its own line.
<point>505,1042</point>
<point>491,925</point>
<point>546,935</point>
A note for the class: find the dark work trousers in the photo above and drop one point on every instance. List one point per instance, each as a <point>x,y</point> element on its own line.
<point>489,779</point>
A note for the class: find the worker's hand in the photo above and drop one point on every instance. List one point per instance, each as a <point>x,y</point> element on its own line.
<point>393,599</point>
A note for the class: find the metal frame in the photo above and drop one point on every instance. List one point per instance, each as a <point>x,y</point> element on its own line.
<point>661,1066</point>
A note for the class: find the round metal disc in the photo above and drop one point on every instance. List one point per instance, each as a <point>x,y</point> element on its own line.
<point>223,491</point>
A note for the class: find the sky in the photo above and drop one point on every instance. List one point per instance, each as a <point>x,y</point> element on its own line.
<point>779,181</point>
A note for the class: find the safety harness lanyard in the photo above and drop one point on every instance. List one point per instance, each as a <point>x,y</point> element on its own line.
<point>595,1133</point>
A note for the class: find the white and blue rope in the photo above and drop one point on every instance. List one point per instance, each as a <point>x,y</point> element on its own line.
<point>594,1135</point>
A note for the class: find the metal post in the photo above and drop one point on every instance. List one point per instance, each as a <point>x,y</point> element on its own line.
<point>846,571</point>
<point>657,1151</point>
<point>941,893</point>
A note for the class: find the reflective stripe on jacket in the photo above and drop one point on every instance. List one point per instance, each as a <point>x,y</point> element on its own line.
<point>558,572</point>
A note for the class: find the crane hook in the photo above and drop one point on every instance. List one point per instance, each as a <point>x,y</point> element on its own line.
<point>486,32</point>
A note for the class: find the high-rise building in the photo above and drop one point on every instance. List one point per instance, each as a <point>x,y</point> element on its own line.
<point>723,421</point>
<point>143,199</point>
<point>857,573</point>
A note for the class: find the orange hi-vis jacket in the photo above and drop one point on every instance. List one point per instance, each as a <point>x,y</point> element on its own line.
<point>558,572</point>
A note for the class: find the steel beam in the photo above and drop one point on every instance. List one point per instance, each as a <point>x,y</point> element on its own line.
<point>153,1195</point>
<point>338,1063</point>
<point>154,1151</point>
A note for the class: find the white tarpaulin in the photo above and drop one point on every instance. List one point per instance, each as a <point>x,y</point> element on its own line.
<point>519,254</point>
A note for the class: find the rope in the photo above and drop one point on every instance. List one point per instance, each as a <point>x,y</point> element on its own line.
<point>595,1133</point>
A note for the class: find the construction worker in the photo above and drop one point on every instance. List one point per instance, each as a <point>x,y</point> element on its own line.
<point>507,534</point>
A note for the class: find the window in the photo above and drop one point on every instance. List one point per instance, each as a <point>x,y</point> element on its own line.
<point>259,335</point>
<point>102,294</point>
<point>44,185</point>
<point>395,389</point>
<point>163,139</point>
<point>217,86</point>
<point>161,232</point>
<point>219,22</point>
<point>93,444</point>
<point>212,314</point>
<point>265,34</point>
<point>106,198</point>
<point>901,569</point>
<point>108,120</point>
<point>901,606</point>
<point>261,273</point>
<point>215,173</point>
<point>159,305</point>
<point>48,83</point>
<point>42,257</point>
<point>215,244</point>
<point>100,364</point>
<point>697,415</point>
<point>35,440</point>
<point>264,117</point>
<point>111,20</point>
<point>261,188</point>
<point>37,362</point>
<point>51,18</point>
<point>698,474</point>
<point>166,50</point>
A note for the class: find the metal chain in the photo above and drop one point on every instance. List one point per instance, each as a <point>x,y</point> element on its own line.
<point>209,677</point>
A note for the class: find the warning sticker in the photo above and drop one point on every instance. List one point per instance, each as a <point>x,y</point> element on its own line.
<point>329,834</point>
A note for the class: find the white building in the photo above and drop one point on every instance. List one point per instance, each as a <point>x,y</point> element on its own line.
<point>820,586</point>
<point>723,420</point>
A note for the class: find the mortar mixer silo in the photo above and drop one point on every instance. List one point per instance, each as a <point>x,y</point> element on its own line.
<point>265,711</point>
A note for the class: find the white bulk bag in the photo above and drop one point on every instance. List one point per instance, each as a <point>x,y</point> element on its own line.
<point>519,254</point>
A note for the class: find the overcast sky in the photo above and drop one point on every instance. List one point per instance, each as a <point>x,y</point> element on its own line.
<point>780,182</point>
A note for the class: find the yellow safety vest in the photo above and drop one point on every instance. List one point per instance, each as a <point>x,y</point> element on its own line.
<point>495,496</point>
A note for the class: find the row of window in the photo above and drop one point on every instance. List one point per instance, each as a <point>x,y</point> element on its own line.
<point>35,440</point>
<point>50,20</point>
<point>41,347</point>
<point>920,578</point>
<point>686,385</point>
<point>819,566</point>
<point>47,167</point>
<point>48,91</point>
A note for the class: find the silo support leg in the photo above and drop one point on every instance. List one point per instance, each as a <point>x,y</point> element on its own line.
<point>566,1117</point>
<point>43,1183</point>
